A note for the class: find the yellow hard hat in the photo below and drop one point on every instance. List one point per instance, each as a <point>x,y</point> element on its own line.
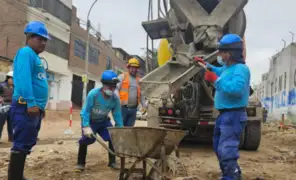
<point>133,62</point>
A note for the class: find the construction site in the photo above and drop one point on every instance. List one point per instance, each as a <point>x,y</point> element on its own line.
<point>55,155</point>
<point>179,131</point>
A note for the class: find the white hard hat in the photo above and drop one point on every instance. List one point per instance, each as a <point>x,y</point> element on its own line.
<point>10,74</point>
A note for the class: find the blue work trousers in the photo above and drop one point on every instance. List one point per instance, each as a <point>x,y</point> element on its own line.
<point>25,128</point>
<point>97,127</point>
<point>129,115</point>
<point>5,117</point>
<point>228,128</point>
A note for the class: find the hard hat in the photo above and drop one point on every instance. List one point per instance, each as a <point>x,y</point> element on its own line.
<point>38,28</point>
<point>10,74</point>
<point>230,42</point>
<point>133,62</point>
<point>109,77</point>
<point>234,44</point>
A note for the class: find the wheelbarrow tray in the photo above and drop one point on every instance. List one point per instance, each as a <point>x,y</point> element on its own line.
<point>144,141</point>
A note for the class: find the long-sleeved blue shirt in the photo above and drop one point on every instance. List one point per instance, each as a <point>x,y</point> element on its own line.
<point>29,76</point>
<point>97,107</point>
<point>232,86</point>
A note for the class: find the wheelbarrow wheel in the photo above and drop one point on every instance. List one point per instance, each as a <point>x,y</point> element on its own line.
<point>175,168</point>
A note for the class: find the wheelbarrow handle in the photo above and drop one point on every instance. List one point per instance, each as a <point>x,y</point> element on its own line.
<point>104,145</point>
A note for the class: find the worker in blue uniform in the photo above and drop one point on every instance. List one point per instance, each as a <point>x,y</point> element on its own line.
<point>232,83</point>
<point>29,97</point>
<point>94,115</point>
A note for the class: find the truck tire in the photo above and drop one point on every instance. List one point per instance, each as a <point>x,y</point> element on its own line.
<point>252,135</point>
<point>242,139</point>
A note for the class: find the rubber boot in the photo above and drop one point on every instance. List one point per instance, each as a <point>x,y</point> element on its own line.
<point>10,138</point>
<point>16,166</point>
<point>82,151</point>
<point>112,158</point>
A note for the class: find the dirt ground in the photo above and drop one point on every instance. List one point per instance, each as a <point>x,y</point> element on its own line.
<point>55,155</point>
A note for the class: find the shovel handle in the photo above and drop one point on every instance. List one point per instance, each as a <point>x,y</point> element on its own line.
<point>104,145</point>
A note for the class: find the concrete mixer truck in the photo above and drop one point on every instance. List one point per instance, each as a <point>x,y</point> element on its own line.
<point>178,96</point>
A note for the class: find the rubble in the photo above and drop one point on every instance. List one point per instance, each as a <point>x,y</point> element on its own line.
<point>274,160</point>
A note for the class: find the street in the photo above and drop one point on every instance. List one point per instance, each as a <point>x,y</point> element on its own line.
<point>55,156</point>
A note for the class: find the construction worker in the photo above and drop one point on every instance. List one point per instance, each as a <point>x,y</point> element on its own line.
<point>94,115</point>
<point>130,93</point>
<point>232,83</point>
<point>6,90</point>
<point>29,97</point>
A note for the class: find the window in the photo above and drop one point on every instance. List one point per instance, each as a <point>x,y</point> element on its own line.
<point>58,47</point>
<point>55,8</point>
<point>275,85</point>
<point>79,49</point>
<point>271,89</point>
<point>109,63</point>
<point>280,82</point>
<point>285,80</point>
<point>93,55</point>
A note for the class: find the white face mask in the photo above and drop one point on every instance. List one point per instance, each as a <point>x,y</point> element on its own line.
<point>220,60</point>
<point>108,92</point>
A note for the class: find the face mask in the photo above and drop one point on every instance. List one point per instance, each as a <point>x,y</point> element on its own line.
<point>108,92</point>
<point>220,60</point>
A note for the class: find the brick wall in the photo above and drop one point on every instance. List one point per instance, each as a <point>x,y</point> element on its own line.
<point>12,22</point>
<point>79,33</point>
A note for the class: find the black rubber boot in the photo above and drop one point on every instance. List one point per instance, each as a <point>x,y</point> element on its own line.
<point>82,151</point>
<point>16,166</point>
<point>112,158</point>
<point>10,138</point>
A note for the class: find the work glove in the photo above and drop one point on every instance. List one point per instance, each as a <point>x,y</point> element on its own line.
<point>199,60</point>
<point>210,76</point>
<point>87,131</point>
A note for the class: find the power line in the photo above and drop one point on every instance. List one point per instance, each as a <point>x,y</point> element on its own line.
<point>42,17</point>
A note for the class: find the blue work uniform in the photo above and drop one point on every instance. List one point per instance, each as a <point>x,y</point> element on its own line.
<point>30,89</point>
<point>231,99</point>
<point>95,114</point>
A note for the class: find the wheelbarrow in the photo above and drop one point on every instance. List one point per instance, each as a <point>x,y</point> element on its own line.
<point>143,143</point>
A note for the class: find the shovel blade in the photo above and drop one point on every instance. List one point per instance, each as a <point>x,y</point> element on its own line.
<point>68,132</point>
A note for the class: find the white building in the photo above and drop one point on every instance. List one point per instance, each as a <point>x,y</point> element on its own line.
<point>57,16</point>
<point>277,88</point>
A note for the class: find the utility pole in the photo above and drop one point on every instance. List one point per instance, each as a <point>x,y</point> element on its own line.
<point>284,43</point>
<point>85,77</point>
<point>292,36</point>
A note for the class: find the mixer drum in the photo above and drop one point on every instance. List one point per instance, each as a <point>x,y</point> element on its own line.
<point>236,24</point>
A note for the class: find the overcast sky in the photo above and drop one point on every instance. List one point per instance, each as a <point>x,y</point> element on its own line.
<point>268,22</point>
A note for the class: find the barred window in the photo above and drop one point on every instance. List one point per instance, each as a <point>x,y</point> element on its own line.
<point>80,49</point>
<point>93,55</point>
<point>55,8</point>
<point>109,63</point>
<point>58,47</point>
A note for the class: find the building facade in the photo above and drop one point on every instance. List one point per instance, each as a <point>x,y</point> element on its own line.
<point>101,57</point>
<point>65,52</point>
<point>277,89</point>
<point>56,14</point>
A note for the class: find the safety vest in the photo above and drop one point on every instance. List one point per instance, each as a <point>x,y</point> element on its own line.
<point>124,89</point>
